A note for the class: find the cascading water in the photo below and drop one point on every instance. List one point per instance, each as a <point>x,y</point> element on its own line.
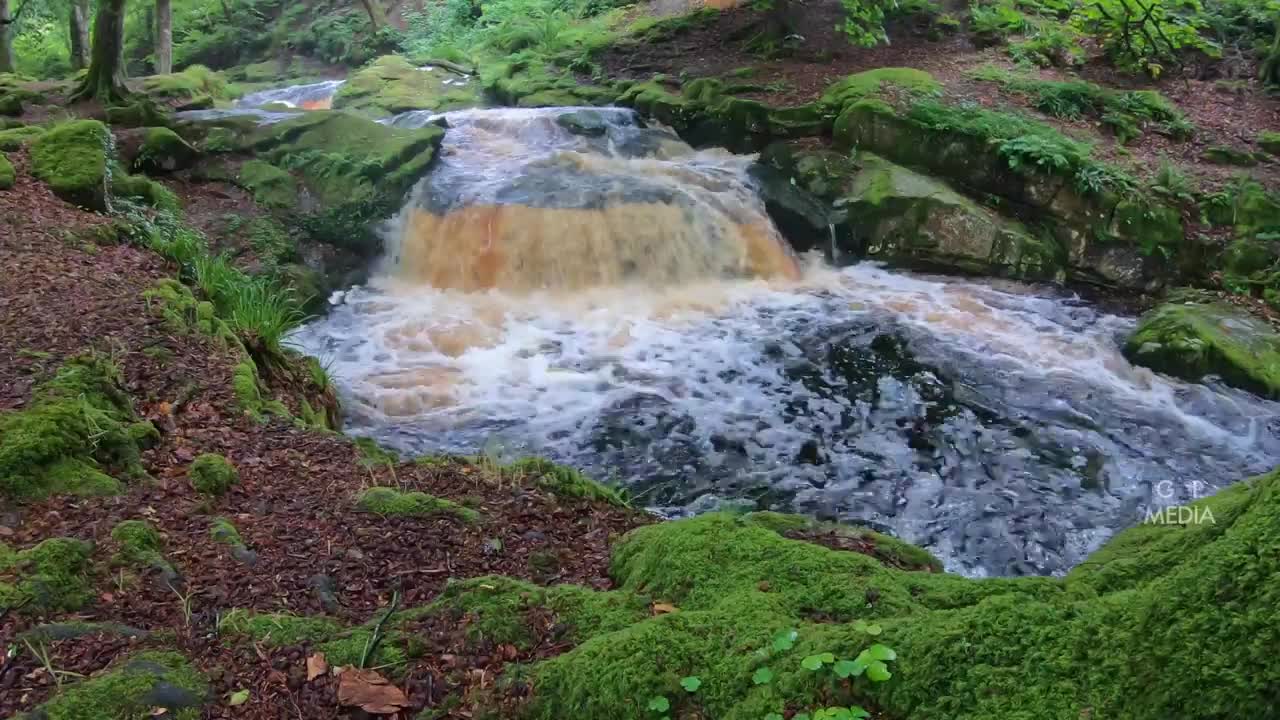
<point>314,96</point>
<point>614,300</point>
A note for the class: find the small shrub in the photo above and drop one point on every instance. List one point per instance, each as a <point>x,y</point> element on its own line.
<point>212,474</point>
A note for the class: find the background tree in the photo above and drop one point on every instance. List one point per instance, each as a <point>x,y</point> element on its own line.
<point>164,37</point>
<point>105,81</point>
<point>377,16</point>
<point>78,27</point>
<point>6,37</point>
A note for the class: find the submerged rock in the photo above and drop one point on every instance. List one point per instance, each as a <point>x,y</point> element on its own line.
<point>1193,339</point>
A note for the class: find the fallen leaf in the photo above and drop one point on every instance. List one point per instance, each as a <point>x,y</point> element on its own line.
<point>370,692</point>
<point>238,697</point>
<point>664,608</point>
<point>316,666</point>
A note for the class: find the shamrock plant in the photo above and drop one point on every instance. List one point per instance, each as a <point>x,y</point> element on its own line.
<point>871,663</point>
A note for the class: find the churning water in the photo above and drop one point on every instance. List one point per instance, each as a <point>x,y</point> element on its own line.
<point>614,300</point>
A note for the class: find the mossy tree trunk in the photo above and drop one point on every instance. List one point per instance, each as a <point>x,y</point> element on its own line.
<point>105,81</point>
<point>377,16</point>
<point>164,37</point>
<point>6,37</point>
<point>78,26</point>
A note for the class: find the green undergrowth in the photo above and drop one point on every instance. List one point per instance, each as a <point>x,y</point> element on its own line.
<point>78,427</point>
<point>393,502</point>
<point>50,577</point>
<point>1125,113</point>
<point>146,684</point>
<point>16,138</point>
<point>563,481</point>
<point>340,645</point>
<point>871,83</point>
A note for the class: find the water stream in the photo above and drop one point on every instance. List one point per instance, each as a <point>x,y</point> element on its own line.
<point>619,302</point>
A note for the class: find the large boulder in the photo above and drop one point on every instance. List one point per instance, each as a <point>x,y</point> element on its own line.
<point>1192,339</point>
<point>72,159</point>
<point>392,85</point>
<point>904,216</point>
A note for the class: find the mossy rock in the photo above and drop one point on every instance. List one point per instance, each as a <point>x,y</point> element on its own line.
<point>1226,155</point>
<point>1193,339</point>
<point>1269,141</point>
<point>7,174</point>
<point>139,112</point>
<point>391,84</point>
<point>533,83</point>
<point>147,684</point>
<point>16,138</point>
<point>872,83</point>
<point>271,186</point>
<point>51,576</point>
<point>72,158</point>
<point>141,547</point>
<point>10,104</point>
<point>145,190</point>
<point>389,501</point>
<point>355,170</point>
<point>212,474</point>
<point>162,151</point>
<point>911,218</point>
<point>195,88</point>
<point>77,423</point>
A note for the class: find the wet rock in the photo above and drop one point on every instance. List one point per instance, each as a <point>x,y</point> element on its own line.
<point>1193,339</point>
<point>588,123</point>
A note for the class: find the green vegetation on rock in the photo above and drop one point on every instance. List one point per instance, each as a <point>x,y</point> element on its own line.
<point>1269,141</point>
<point>870,84</point>
<point>50,577</point>
<point>195,88</point>
<point>7,173</point>
<point>163,150</point>
<point>1193,339</point>
<point>271,186</point>
<point>212,474</point>
<point>563,480</point>
<point>391,84</point>
<point>72,159</point>
<point>143,189</point>
<point>16,138</point>
<point>77,424</point>
<point>389,501</point>
<point>145,685</point>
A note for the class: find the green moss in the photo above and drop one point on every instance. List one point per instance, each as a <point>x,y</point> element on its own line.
<point>222,530</point>
<point>564,481</point>
<point>16,138</point>
<point>10,104</point>
<point>374,455</point>
<point>271,186</point>
<point>163,150</point>
<point>134,689</point>
<point>391,84</point>
<point>145,189</point>
<point>1269,141</point>
<point>212,474</point>
<point>1190,340</point>
<point>51,576</point>
<point>248,392</point>
<point>139,112</point>
<point>174,302</point>
<point>7,174</point>
<point>140,545</point>
<point>1226,155</point>
<point>868,84</point>
<point>72,158</point>
<point>77,423</point>
<point>278,629</point>
<point>194,88</point>
<point>389,501</point>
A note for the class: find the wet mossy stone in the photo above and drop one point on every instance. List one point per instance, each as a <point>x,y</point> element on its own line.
<point>145,685</point>
<point>587,123</point>
<point>72,159</point>
<point>145,190</point>
<point>271,186</point>
<point>51,576</point>
<point>78,424</point>
<point>391,84</point>
<point>212,474</point>
<point>7,174</point>
<point>1192,339</point>
<point>355,170</point>
<point>389,501</point>
<point>16,138</point>
<point>163,151</point>
<point>912,218</point>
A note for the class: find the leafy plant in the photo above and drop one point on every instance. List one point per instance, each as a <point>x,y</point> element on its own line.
<point>1144,35</point>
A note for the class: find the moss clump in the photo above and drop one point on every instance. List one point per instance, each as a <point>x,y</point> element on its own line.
<point>72,158</point>
<point>140,545</point>
<point>374,455</point>
<point>869,84</point>
<point>222,530</point>
<point>77,423</point>
<point>1167,616</point>
<point>134,689</point>
<point>10,104</point>
<point>1226,155</point>
<point>16,138</point>
<point>248,392</point>
<point>212,474</point>
<point>174,302</point>
<point>51,576</point>
<point>1269,141</point>
<point>145,190</point>
<point>194,88</point>
<point>1190,340</point>
<point>271,186</point>
<point>389,501</point>
<point>163,150</point>
<point>564,481</point>
<point>340,646</point>
<point>141,112</point>
<point>7,174</point>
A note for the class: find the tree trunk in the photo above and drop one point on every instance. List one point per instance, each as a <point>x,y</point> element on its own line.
<point>377,16</point>
<point>6,38</point>
<point>105,81</point>
<point>164,37</point>
<point>79,27</point>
